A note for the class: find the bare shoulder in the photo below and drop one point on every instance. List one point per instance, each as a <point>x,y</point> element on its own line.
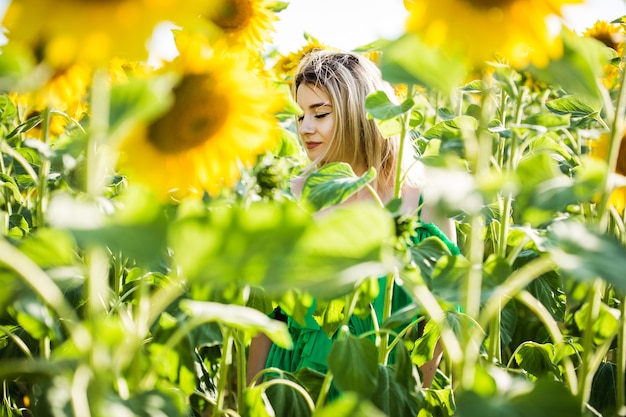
<point>429,214</point>
<point>410,199</point>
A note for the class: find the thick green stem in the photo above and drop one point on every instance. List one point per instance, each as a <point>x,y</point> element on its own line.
<point>479,148</point>
<point>80,385</point>
<point>475,255</point>
<point>404,119</point>
<point>225,363</point>
<point>240,351</point>
<point>6,194</point>
<point>586,370</point>
<point>96,258</point>
<point>44,171</point>
<point>494,352</point>
<point>495,348</point>
<point>621,357</point>
<point>324,390</point>
<point>97,163</point>
<point>616,121</point>
<point>383,352</point>
<point>98,288</point>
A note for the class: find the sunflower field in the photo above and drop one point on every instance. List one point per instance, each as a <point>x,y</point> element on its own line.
<point>148,230</point>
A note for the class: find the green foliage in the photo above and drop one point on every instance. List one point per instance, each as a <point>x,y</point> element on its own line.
<point>544,398</point>
<point>333,184</point>
<point>114,302</point>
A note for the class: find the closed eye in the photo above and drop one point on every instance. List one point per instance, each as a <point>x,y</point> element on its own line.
<point>321,116</point>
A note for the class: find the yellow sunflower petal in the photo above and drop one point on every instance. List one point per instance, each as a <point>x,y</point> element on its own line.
<point>285,66</point>
<point>515,30</point>
<point>599,149</point>
<point>91,32</point>
<point>613,36</point>
<point>617,199</point>
<point>66,92</point>
<point>221,120</point>
<point>238,24</point>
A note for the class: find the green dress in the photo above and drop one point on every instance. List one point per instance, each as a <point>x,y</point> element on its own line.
<point>312,345</point>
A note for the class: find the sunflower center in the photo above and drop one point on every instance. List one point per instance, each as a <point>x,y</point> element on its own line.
<point>233,14</point>
<point>489,4</point>
<point>607,39</point>
<point>196,116</point>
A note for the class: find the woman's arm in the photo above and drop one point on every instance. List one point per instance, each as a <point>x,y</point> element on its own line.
<point>257,355</point>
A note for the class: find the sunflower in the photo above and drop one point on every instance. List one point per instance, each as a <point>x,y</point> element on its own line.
<point>239,24</point>
<point>599,149</point>
<point>120,70</point>
<point>611,35</point>
<point>65,92</point>
<point>286,65</point>
<point>221,119</point>
<point>479,30</point>
<point>68,31</point>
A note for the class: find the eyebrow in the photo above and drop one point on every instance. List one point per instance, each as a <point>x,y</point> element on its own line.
<point>316,106</point>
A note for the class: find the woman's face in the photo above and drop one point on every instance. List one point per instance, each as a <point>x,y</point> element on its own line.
<point>317,123</point>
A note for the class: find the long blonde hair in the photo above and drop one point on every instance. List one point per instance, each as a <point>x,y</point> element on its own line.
<point>348,78</point>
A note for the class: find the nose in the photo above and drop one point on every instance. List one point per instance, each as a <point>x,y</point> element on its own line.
<point>306,127</point>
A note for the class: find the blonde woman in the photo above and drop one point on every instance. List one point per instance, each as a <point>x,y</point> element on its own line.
<point>331,87</point>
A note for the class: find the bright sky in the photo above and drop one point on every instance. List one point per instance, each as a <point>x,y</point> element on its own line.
<point>347,24</point>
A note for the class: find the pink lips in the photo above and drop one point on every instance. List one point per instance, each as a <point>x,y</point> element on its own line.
<point>312,145</point>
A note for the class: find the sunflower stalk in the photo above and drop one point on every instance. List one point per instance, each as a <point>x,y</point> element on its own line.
<point>224,366</point>
<point>506,200</point>
<point>6,195</point>
<point>616,122</point>
<point>44,170</point>
<point>481,145</point>
<point>586,370</point>
<point>404,128</point>
<point>96,258</point>
<point>621,356</point>
<point>397,193</point>
<point>240,352</point>
<point>384,337</point>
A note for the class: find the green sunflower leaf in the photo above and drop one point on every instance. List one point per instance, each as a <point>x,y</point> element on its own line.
<point>576,106</point>
<point>332,184</point>
<point>280,246</point>
<point>578,69</point>
<point>536,359</point>
<point>409,60</point>
<point>239,317</point>
<point>585,254</point>
<point>354,364</point>
<point>381,107</point>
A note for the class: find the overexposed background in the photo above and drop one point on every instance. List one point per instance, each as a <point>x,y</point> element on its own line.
<point>347,24</point>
